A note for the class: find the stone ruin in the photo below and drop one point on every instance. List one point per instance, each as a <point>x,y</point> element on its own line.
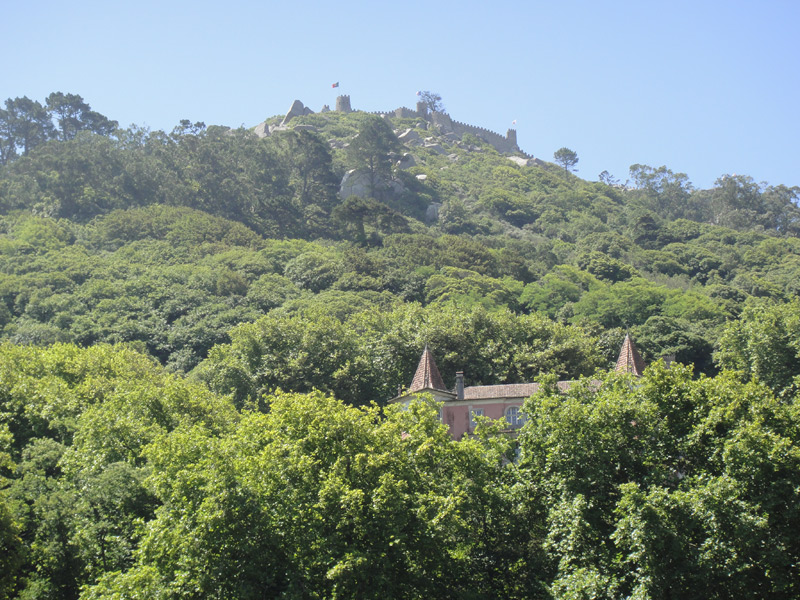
<point>504,144</point>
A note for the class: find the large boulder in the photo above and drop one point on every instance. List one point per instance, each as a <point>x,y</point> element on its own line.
<point>406,161</point>
<point>262,130</point>
<point>409,136</point>
<point>355,183</point>
<point>522,162</point>
<point>297,110</point>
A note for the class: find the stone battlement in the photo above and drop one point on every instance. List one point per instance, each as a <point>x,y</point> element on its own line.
<point>442,121</point>
<point>446,124</point>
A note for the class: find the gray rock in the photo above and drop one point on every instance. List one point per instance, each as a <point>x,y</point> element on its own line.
<point>422,177</point>
<point>432,213</point>
<point>406,161</point>
<point>522,162</point>
<point>262,130</point>
<point>434,147</point>
<point>297,110</point>
<point>409,135</point>
<point>355,183</point>
<point>396,187</point>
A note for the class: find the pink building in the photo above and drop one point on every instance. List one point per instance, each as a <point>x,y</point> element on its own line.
<point>461,405</point>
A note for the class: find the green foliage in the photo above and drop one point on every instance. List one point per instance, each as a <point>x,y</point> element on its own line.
<point>75,424</point>
<point>662,488</point>
<point>432,101</point>
<point>566,158</point>
<point>364,355</point>
<point>230,256</point>
<point>370,149</point>
<point>764,344</point>
<point>323,491</point>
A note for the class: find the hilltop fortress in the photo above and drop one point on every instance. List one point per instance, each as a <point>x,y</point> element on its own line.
<point>439,120</point>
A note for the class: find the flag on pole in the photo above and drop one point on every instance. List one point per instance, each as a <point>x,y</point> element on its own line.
<point>335,85</point>
<point>514,122</point>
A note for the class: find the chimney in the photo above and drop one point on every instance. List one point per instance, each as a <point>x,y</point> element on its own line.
<point>460,385</point>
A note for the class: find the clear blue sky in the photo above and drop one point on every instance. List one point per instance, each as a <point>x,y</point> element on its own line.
<point>705,88</point>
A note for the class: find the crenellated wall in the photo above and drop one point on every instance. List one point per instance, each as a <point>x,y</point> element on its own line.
<point>445,124</point>
<point>502,144</point>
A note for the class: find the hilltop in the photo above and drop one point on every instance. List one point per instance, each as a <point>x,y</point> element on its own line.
<point>202,330</point>
<point>169,240</point>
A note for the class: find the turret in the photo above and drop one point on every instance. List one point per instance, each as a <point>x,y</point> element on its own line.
<point>511,136</point>
<point>629,361</point>
<point>343,104</point>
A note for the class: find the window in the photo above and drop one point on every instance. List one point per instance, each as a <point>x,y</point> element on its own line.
<point>474,412</point>
<point>515,417</point>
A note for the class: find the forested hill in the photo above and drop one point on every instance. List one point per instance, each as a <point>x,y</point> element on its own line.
<point>200,334</point>
<point>172,240</point>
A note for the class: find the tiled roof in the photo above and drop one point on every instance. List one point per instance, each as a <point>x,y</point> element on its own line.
<point>508,390</point>
<point>629,361</point>
<point>427,376</point>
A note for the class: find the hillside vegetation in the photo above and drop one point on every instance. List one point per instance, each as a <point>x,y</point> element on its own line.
<point>200,336</point>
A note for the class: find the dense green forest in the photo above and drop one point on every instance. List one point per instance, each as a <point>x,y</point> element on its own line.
<point>200,337</point>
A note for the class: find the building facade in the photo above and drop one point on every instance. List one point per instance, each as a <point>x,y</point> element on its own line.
<point>461,406</point>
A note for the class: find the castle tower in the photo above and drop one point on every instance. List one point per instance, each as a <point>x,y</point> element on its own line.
<point>629,361</point>
<point>511,136</point>
<point>427,376</point>
<point>343,104</point>
<point>422,109</point>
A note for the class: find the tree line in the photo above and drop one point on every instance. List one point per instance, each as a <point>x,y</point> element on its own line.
<point>120,480</point>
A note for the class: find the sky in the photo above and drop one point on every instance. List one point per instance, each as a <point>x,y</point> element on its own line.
<point>704,88</point>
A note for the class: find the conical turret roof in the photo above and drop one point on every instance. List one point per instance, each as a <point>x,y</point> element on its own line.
<point>629,361</point>
<point>427,376</point>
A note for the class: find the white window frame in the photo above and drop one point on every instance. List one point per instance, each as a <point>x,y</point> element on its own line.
<point>474,412</point>
<point>517,420</point>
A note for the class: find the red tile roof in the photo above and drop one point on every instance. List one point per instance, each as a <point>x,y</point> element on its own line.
<point>427,376</point>
<point>508,390</point>
<point>629,361</point>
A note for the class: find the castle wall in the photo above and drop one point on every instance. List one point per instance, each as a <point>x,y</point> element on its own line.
<point>444,123</point>
<point>500,143</point>
<point>404,113</point>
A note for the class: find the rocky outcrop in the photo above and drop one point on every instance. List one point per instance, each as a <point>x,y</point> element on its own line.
<point>356,182</point>
<point>432,212</point>
<point>262,130</point>
<point>409,136</point>
<point>297,110</point>
<point>522,162</point>
<point>406,161</point>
